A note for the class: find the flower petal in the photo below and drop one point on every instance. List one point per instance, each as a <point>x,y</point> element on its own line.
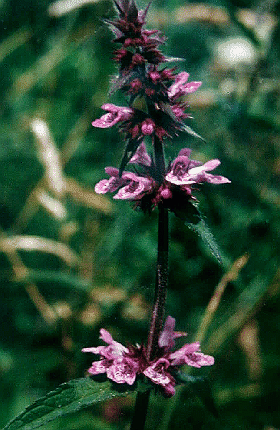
<point>106,336</point>
<point>112,184</point>
<point>190,354</point>
<point>209,165</point>
<point>114,115</point>
<point>182,87</point>
<point>198,360</point>
<point>166,338</point>
<point>98,367</point>
<point>141,156</point>
<point>157,372</point>
<point>123,371</point>
<point>137,186</point>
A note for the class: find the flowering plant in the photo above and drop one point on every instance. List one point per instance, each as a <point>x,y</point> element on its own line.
<point>156,109</point>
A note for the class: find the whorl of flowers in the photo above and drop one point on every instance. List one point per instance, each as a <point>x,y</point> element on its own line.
<point>123,364</point>
<point>175,190</point>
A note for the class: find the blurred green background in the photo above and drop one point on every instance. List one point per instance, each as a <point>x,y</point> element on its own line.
<point>72,261</point>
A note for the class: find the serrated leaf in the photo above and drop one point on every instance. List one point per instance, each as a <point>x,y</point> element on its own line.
<point>207,237</point>
<point>190,131</point>
<point>201,228</point>
<point>67,398</point>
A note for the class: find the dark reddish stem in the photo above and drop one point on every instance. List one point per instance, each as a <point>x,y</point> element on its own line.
<point>162,260</point>
<point>142,399</point>
<point>161,283</point>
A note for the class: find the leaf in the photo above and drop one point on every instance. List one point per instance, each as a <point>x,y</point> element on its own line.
<point>201,388</point>
<point>56,277</point>
<point>67,398</point>
<point>201,228</point>
<point>190,131</point>
<point>206,235</point>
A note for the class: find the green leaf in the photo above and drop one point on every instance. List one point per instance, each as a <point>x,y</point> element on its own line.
<point>196,223</point>
<point>67,280</point>
<point>189,130</point>
<point>207,237</point>
<point>67,398</point>
<point>201,388</point>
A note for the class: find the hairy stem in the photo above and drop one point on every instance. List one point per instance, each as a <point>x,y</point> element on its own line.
<point>161,283</point>
<point>142,399</point>
<point>162,260</point>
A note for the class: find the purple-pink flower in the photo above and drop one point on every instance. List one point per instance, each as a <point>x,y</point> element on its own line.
<point>122,365</point>
<point>136,188</point>
<point>182,174</point>
<point>115,114</point>
<point>185,171</point>
<point>182,87</point>
<point>115,362</point>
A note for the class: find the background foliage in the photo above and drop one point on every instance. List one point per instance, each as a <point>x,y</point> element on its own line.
<point>72,262</point>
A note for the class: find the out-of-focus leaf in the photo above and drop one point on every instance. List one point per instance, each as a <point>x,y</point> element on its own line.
<point>42,244</point>
<point>88,197</point>
<point>62,7</point>
<point>240,311</point>
<point>57,277</point>
<point>67,398</point>
<point>202,388</point>
<point>52,205</point>
<point>49,156</point>
<point>13,42</point>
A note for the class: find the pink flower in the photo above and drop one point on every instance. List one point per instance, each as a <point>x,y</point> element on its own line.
<point>148,127</point>
<point>141,156</point>
<point>167,336</point>
<point>115,361</point>
<point>115,114</point>
<point>190,354</point>
<point>185,171</point>
<point>122,365</point>
<point>159,371</point>
<point>123,371</point>
<point>136,187</point>
<point>130,185</point>
<point>159,375</point>
<point>182,87</point>
<point>110,185</point>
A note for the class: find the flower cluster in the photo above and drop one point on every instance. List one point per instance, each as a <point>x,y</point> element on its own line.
<point>122,364</point>
<point>164,117</point>
<point>181,175</point>
<point>146,81</point>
